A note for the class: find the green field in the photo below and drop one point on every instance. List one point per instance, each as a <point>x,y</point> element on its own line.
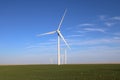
<point>63,72</point>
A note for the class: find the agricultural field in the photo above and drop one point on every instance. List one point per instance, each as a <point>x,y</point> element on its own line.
<point>62,72</point>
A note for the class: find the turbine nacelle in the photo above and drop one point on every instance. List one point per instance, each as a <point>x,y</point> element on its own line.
<point>58,31</point>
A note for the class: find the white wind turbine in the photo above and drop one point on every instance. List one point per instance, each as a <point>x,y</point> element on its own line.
<point>65,56</point>
<point>59,36</point>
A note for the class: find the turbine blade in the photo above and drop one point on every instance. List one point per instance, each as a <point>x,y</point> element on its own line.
<point>59,34</point>
<point>52,32</point>
<point>62,20</point>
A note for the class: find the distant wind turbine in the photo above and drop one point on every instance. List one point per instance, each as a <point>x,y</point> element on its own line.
<point>59,36</point>
<point>65,56</point>
<point>62,57</point>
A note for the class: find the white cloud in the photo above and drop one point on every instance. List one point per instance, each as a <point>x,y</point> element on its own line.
<point>86,24</point>
<point>76,35</point>
<point>94,29</point>
<point>82,31</point>
<point>109,24</point>
<point>93,42</point>
<point>43,44</point>
<point>109,21</point>
<point>116,18</point>
<point>112,21</point>
<point>103,17</point>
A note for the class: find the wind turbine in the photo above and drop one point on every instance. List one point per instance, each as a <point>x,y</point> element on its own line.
<point>62,56</point>
<point>65,56</point>
<point>59,36</point>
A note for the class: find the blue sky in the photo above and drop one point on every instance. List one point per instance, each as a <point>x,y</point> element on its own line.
<point>92,29</point>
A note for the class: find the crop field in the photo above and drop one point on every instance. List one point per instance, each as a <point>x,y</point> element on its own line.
<point>62,72</point>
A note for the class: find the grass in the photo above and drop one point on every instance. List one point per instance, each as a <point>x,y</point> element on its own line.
<point>62,72</point>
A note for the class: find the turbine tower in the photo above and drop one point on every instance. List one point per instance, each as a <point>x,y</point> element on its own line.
<point>60,36</point>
